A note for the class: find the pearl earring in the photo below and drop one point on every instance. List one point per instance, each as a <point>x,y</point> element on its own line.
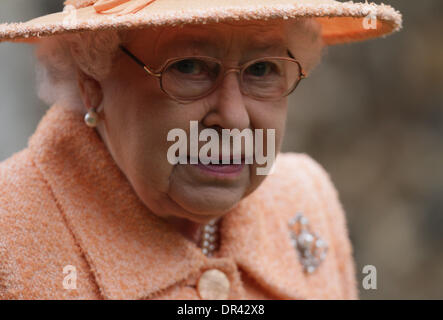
<point>91,118</point>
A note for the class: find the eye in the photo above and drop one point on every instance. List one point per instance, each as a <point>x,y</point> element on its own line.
<point>260,69</point>
<point>188,66</point>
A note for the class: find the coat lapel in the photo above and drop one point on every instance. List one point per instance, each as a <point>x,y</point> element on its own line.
<point>134,254</point>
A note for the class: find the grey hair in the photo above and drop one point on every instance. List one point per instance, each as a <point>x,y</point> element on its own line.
<point>59,58</point>
<point>305,42</point>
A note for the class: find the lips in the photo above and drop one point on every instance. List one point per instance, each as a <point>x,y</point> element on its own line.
<point>222,168</point>
<point>233,160</point>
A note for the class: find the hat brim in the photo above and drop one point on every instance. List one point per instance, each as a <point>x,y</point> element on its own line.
<point>341,22</point>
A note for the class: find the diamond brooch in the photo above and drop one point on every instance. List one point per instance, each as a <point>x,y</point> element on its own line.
<point>310,247</point>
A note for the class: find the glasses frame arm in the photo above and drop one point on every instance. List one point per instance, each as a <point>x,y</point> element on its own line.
<point>302,72</point>
<point>139,62</point>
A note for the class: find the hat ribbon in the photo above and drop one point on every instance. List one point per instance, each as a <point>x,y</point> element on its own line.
<point>120,7</point>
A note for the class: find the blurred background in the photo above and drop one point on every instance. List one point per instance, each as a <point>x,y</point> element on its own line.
<point>371,114</point>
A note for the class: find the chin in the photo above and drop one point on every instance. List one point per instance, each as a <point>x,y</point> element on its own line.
<point>202,209</point>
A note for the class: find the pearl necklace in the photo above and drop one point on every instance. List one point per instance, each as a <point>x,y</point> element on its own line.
<point>209,238</point>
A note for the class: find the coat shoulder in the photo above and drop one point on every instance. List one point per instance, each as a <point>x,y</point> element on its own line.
<point>35,242</point>
<point>24,193</point>
<point>292,162</point>
<point>21,183</point>
<point>297,171</point>
<point>298,183</point>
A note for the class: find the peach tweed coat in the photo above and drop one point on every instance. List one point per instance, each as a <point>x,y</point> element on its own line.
<point>64,202</point>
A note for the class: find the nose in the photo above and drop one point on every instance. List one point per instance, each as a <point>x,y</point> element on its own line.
<point>228,109</point>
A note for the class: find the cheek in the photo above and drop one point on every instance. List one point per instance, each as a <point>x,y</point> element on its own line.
<point>142,154</point>
<point>270,115</point>
<point>136,130</point>
<point>267,115</point>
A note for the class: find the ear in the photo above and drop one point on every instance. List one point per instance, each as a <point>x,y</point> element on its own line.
<point>90,90</point>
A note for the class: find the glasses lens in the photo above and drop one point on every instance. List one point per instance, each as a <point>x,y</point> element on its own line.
<point>270,78</point>
<point>190,77</point>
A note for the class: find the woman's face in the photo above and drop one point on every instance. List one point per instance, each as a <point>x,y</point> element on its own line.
<point>139,116</point>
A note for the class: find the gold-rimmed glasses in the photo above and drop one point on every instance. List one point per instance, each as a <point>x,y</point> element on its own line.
<point>189,78</point>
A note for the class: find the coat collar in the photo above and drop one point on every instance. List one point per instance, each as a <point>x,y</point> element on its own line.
<point>133,253</point>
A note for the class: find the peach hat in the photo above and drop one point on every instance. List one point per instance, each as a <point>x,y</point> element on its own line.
<point>341,21</point>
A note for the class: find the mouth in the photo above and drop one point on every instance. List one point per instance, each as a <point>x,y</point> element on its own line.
<point>231,166</point>
<point>230,160</point>
<point>222,168</point>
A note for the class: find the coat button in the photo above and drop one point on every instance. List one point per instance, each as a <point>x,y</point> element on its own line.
<point>213,285</point>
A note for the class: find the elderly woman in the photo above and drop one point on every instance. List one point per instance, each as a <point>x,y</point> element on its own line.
<point>99,207</point>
